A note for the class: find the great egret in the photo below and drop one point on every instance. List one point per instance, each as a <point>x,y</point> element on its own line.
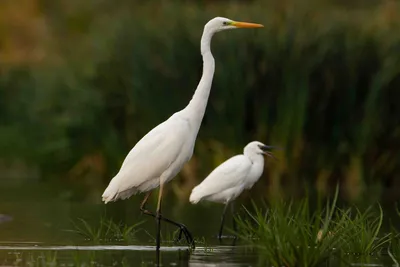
<point>226,182</point>
<point>162,152</point>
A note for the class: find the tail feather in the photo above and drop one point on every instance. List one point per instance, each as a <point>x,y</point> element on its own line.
<point>113,192</point>
<point>110,194</point>
<point>195,196</point>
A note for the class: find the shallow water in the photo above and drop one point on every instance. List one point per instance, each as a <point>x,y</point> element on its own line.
<point>132,255</point>
<point>38,220</point>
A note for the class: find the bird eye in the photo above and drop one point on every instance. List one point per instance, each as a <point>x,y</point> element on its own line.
<point>225,23</point>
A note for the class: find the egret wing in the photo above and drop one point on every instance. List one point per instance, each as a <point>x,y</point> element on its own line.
<point>229,174</point>
<point>153,154</point>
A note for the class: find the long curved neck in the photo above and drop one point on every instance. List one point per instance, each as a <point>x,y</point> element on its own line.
<point>197,106</point>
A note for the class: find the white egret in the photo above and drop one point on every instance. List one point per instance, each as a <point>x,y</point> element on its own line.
<point>226,182</point>
<point>162,152</point>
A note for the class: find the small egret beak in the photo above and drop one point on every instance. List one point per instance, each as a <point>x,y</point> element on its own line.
<point>266,151</point>
<point>239,24</point>
<point>271,147</point>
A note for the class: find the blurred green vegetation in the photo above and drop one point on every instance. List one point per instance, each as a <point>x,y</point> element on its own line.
<point>82,81</point>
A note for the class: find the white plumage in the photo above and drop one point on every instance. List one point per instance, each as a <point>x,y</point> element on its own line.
<point>223,183</point>
<point>161,153</point>
<point>226,182</point>
<point>155,159</point>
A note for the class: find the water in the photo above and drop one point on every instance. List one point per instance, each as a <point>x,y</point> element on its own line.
<point>37,223</point>
<point>36,255</point>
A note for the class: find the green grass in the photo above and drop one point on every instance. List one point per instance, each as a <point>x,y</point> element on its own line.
<point>283,233</point>
<point>290,234</point>
<point>394,248</point>
<point>107,231</point>
<point>367,228</point>
<point>110,232</point>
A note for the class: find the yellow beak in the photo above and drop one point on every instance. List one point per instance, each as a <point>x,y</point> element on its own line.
<point>246,25</point>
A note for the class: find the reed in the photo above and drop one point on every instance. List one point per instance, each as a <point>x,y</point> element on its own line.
<point>107,231</point>
<point>290,234</point>
<point>320,81</point>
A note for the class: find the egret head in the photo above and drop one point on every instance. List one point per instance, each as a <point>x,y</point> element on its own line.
<point>259,148</point>
<point>219,24</point>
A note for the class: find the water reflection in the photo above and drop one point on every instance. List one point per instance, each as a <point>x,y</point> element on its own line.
<point>223,256</point>
<point>38,255</point>
<point>30,254</point>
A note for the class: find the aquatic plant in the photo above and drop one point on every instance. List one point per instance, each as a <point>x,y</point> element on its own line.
<point>289,234</point>
<point>107,231</point>
<point>366,227</point>
<point>285,234</point>
<point>394,248</point>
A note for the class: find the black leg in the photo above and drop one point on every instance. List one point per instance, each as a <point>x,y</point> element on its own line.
<point>222,221</point>
<point>158,257</point>
<point>233,217</point>
<point>182,228</point>
<point>233,223</point>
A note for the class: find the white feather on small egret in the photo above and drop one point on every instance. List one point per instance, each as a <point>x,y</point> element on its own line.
<point>226,182</point>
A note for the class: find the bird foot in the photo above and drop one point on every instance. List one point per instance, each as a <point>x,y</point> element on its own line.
<point>179,237</point>
<point>189,239</point>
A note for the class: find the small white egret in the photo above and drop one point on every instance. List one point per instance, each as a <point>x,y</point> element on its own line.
<point>226,182</point>
<point>162,152</point>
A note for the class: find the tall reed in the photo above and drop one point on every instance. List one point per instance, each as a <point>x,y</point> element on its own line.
<point>320,81</point>
<point>294,234</point>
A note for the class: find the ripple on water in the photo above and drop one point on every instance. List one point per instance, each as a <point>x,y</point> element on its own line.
<point>118,255</point>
